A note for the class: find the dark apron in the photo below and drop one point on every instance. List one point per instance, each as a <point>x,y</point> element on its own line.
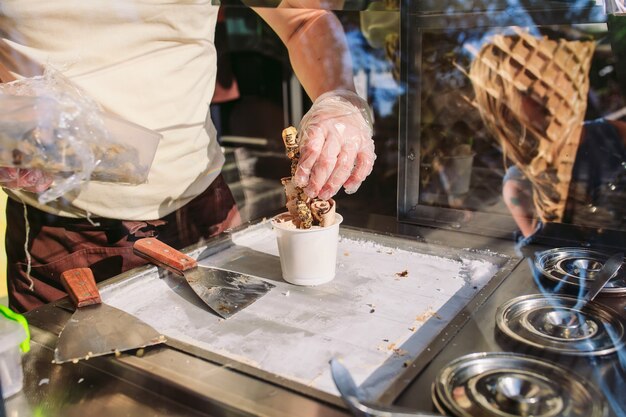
<point>57,244</point>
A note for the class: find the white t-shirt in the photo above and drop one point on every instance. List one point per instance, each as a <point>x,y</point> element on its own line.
<point>150,62</point>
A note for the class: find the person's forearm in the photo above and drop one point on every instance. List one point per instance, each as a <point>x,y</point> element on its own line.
<point>320,57</point>
<point>335,138</point>
<point>317,48</point>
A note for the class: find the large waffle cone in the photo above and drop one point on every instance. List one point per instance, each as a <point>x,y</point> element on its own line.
<point>532,94</point>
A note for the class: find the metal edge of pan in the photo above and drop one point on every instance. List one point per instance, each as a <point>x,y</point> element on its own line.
<point>493,361</point>
<point>599,311</point>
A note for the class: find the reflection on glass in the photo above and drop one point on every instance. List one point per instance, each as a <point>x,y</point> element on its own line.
<point>524,122</point>
<point>532,94</point>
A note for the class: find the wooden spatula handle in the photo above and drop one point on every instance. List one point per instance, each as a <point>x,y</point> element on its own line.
<point>81,286</point>
<point>163,255</point>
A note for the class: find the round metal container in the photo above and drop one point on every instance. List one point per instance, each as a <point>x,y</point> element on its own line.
<point>577,267</point>
<point>556,324</point>
<point>503,384</point>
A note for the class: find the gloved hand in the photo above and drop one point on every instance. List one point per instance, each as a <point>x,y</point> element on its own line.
<point>336,146</point>
<point>33,180</point>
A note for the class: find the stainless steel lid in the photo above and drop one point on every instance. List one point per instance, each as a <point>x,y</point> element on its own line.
<point>576,267</point>
<point>557,324</point>
<point>507,385</point>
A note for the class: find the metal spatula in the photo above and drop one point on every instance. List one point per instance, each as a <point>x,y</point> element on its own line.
<point>225,292</point>
<point>97,329</point>
<point>354,397</point>
<point>608,271</point>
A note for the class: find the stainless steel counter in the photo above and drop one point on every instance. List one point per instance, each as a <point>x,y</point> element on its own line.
<point>168,381</point>
<point>125,386</point>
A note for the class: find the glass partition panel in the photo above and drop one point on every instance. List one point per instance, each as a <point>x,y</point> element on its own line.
<point>513,117</point>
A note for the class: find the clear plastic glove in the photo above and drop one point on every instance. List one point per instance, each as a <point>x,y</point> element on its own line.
<point>336,146</point>
<point>33,180</point>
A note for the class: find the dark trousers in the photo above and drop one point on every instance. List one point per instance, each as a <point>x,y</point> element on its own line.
<point>56,244</point>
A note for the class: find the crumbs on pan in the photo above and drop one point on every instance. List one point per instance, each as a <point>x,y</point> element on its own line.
<point>425,315</point>
<point>402,274</point>
<point>400,352</point>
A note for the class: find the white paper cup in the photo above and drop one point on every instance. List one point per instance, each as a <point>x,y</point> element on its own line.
<point>307,256</point>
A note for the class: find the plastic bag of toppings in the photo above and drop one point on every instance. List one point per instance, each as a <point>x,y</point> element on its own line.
<point>49,124</point>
